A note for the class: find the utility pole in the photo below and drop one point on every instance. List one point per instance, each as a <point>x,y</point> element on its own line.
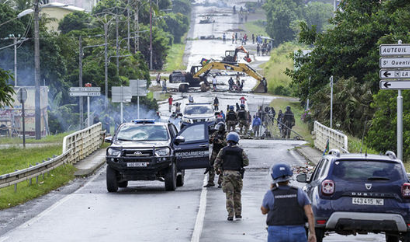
<point>106,64</point>
<point>128,24</point>
<point>80,78</point>
<point>150,35</point>
<point>331,100</point>
<point>37,70</point>
<point>116,41</point>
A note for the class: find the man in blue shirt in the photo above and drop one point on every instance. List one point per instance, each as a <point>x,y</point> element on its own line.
<point>287,208</point>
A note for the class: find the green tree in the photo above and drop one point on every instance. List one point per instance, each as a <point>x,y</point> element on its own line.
<point>74,21</point>
<point>281,17</point>
<point>6,90</point>
<point>177,25</point>
<point>318,14</point>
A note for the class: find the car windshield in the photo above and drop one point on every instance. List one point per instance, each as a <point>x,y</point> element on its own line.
<point>367,171</point>
<point>190,110</point>
<point>142,133</point>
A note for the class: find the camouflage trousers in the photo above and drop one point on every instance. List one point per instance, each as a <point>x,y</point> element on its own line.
<point>230,125</point>
<point>232,186</point>
<point>243,123</point>
<point>212,170</point>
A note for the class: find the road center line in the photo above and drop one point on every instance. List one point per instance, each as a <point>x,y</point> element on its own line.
<point>199,224</point>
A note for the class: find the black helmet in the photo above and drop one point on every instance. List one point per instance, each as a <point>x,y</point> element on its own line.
<point>220,126</point>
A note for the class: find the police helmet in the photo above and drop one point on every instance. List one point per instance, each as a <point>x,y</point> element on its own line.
<point>242,106</point>
<point>220,126</point>
<point>288,108</point>
<point>233,137</point>
<point>231,108</point>
<point>281,172</point>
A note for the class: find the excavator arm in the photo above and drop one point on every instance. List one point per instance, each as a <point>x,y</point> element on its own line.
<point>228,66</point>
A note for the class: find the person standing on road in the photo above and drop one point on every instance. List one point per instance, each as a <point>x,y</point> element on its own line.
<point>214,82</point>
<point>242,116</point>
<point>158,79</point>
<point>256,123</point>
<point>230,82</point>
<point>243,100</point>
<point>170,99</point>
<point>230,162</point>
<point>231,119</point>
<point>289,122</point>
<point>216,103</point>
<point>164,86</point>
<point>280,121</point>
<point>287,208</point>
<point>218,139</point>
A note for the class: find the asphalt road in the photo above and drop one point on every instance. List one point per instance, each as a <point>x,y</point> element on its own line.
<point>85,211</point>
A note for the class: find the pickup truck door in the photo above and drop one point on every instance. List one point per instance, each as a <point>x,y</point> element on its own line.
<point>193,153</point>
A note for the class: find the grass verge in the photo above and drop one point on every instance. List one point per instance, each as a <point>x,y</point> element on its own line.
<point>174,60</point>
<point>58,138</point>
<point>26,192</point>
<point>19,158</point>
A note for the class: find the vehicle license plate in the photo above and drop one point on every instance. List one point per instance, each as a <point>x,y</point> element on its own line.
<point>137,164</point>
<point>368,201</point>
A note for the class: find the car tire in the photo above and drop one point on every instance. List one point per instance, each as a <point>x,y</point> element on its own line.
<point>392,238</point>
<point>405,237</point>
<point>180,179</point>
<point>171,178</point>
<point>320,234</point>
<point>123,184</point>
<point>111,179</point>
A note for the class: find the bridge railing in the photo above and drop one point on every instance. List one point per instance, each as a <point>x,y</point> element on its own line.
<point>76,147</point>
<point>337,140</point>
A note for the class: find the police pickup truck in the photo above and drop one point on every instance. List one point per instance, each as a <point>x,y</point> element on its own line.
<point>150,150</point>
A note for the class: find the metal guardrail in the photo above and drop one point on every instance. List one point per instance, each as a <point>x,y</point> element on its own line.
<point>337,140</point>
<point>76,147</point>
<point>83,142</point>
<point>33,171</point>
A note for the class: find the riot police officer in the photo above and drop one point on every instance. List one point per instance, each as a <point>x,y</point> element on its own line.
<point>230,162</point>
<point>218,139</point>
<point>242,117</point>
<point>289,122</point>
<point>287,208</point>
<point>231,119</point>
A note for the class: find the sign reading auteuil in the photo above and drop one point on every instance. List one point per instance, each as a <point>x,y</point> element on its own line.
<point>394,50</point>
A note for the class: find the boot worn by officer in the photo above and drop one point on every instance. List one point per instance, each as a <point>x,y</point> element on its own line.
<point>210,185</point>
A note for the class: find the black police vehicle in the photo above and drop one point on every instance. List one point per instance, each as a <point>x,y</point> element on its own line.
<point>149,150</point>
<point>360,193</point>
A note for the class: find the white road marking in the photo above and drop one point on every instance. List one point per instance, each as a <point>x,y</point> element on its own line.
<point>199,224</point>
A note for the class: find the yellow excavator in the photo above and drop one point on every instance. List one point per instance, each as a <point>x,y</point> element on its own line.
<point>197,76</point>
<point>232,55</point>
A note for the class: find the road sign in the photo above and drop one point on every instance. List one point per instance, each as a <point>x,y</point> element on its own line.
<point>85,89</point>
<point>138,87</point>
<point>388,74</point>
<point>22,95</point>
<point>394,62</point>
<point>394,50</point>
<point>85,94</point>
<point>121,94</point>
<point>394,85</point>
